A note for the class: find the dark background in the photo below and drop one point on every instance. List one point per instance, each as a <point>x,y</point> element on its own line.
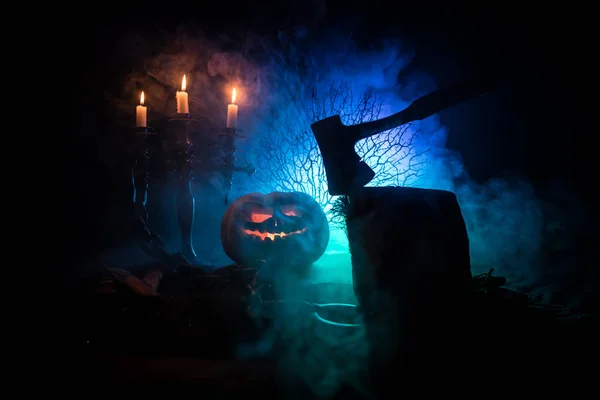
<point>542,128</point>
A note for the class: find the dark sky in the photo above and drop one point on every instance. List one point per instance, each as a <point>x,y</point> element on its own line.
<point>543,51</point>
<point>541,128</point>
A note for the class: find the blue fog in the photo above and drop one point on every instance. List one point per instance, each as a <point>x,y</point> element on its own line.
<point>283,86</point>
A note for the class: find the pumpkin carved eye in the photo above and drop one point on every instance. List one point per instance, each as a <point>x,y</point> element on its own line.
<point>257,213</point>
<point>291,210</point>
<point>259,217</point>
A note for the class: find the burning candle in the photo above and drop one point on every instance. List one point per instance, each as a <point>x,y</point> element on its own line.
<point>232,111</point>
<point>182,99</point>
<point>141,112</point>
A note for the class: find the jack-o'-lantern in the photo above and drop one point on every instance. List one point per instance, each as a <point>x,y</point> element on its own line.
<point>281,229</point>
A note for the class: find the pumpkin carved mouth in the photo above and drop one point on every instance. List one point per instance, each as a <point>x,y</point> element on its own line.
<point>272,236</point>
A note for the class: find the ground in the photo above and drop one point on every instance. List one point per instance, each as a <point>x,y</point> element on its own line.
<point>191,333</point>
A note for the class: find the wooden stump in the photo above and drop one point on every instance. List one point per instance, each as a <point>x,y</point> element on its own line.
<point>411,272</point>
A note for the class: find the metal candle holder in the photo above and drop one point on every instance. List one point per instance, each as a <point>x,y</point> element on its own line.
<point>228,167</point>
<point>179,146</point>
<point>146,146</point>
<point>228,136</point>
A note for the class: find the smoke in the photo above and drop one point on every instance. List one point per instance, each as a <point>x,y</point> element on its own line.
<point>511,228</point>
<point>211,74</point>
<point>509,221</point>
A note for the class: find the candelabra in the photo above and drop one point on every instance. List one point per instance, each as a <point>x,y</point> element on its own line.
<point>176,149</point>
<point>146,149</point>
<point>149,150</point>
<point>179,148</point>
<point>228,167</point>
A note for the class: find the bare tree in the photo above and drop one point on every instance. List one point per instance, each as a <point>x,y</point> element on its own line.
<point>289,158</point>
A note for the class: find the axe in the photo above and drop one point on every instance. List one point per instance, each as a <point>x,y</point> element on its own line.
<point>345,171</point>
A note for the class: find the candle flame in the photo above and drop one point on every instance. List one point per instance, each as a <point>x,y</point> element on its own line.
<point>183,84</point>
<point>233,96</point>
<point>142,98</point>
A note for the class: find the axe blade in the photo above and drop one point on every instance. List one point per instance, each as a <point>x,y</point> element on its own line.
<point>344,169</point>
<point>346,172</point>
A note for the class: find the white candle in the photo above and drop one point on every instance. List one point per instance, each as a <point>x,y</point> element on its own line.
<point>232,112</point>
<point>182,99</point>
<point>141,112</point>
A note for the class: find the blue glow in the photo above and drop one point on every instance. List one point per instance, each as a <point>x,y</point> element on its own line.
<point>360,87</point>
<point>277,105</point>
<point>502,235</point>
<point>504,217</point>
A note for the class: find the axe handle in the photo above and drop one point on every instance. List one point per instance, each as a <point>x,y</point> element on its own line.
<point>428,105</point>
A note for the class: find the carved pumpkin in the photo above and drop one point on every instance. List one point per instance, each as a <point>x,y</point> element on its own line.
<point>280,229</point>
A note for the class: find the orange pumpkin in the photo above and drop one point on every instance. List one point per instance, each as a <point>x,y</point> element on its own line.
<point>281,229</point>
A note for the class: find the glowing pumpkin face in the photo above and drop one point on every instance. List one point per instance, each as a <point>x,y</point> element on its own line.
<point>280,229</point>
